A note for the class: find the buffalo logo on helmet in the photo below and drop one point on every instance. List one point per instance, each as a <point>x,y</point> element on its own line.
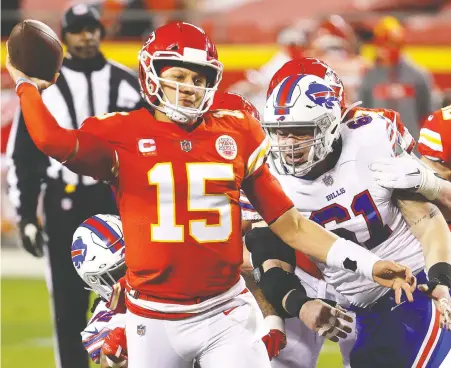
<point>78,252</point>
<point>322,95</point>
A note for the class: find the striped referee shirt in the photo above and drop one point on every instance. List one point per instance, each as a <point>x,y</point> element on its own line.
<point>84,88</point>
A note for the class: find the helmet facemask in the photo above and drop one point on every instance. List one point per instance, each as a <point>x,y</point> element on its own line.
<point>325,131</point>
<point>151,83</point>
<point>102,282</point>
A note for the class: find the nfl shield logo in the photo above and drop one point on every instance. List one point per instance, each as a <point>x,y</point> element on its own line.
<point>186,146</point>
<point>141,330</point>
<point>328,180</point>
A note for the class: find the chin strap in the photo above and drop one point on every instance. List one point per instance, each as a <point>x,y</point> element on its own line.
<point>178,116</point>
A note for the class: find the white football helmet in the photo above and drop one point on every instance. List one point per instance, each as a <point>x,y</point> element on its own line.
<point>302,101</point>
<point>98,253</point>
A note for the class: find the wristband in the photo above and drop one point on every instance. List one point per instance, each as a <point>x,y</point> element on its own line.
<point>346,255</point>
<point>21,80</point>
<point>275,323</point>
<point>430,184</point>
<point>295,301</point>
<point>113,364</point>
<point>440,273</point>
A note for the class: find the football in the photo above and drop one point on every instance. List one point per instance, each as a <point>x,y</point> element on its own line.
<point>34,49</point>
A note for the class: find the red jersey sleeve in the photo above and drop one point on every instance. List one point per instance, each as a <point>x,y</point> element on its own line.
<point>96,137</point>
<point>435,136</point>
<point>44,130</point>
<point>93,157</point>
<point>257,146</point>
<point>266,194</point>
<point>81,151</point>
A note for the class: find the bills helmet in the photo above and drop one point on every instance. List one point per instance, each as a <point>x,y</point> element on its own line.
<point>98,253</point>
<point>184,45</point>
<point>302,101</point>
<point>234,101</point>
<point>310,66</point>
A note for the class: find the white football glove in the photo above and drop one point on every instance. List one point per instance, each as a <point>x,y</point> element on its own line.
<point>406,172</point>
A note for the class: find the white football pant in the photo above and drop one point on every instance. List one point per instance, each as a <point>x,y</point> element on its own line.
<point>218,338</point>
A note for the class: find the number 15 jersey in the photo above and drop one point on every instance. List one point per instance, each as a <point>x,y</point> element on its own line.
<point>177,194</point>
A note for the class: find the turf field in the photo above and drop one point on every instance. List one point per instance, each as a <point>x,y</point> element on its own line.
<point>26,332</point>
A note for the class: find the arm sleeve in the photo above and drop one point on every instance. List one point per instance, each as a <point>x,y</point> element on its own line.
<point>103,321</point>
<point>257,148</point>
<point>261,188</point>
<point>82,152</point>
<point>266,195</point>
<point>26,169</point>
<point>93,343</point>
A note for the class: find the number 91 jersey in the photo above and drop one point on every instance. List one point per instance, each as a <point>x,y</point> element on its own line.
<point>177,194</point>
<point>347,201</point>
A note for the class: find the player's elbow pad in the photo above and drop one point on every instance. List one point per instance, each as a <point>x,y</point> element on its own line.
<point>263,245</point>
<point>275,284</point>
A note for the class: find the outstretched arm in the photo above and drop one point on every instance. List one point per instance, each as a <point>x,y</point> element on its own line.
<point>430,228</point>
<point>82,152</point>
<point>275,262</point>
<point>268,198</point>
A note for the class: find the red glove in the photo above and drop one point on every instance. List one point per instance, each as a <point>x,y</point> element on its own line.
<point>115,347</point>
<point>117,299</point>
<point>275,340</point>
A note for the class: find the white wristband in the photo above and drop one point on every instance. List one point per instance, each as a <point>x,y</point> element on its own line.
<point>21,80</point>
<point>349,256</point>
<point>430,184</point>
<point>275,323</point>
<point>113,364</point>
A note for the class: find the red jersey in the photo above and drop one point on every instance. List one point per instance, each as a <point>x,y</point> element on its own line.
<point>177,194</point>
<point>435,136</point>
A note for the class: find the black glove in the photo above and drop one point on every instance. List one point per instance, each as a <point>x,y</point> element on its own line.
<point>33,237</point>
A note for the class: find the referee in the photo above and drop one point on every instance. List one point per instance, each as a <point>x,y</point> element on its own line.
<point>88,85</point>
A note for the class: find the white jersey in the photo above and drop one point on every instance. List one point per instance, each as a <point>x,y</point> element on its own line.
<point>99,326</point>
<point>347,201</point>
